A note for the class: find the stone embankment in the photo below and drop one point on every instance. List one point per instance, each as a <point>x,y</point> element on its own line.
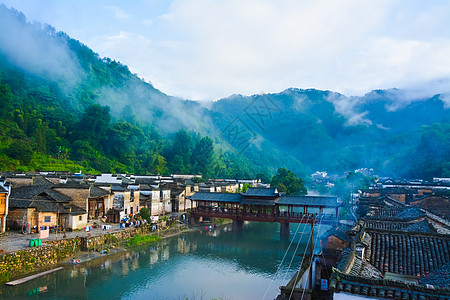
<point>31,260</point>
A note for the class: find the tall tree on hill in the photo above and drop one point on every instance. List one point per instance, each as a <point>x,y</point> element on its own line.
<point>286,181</point>
<point>202,157</point>
<point>94,124</point>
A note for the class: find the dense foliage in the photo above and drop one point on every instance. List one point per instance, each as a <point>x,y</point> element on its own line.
<point>287,182</point>
<point>62,107</point>
<point>83,117</point>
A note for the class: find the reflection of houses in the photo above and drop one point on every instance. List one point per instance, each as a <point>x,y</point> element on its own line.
<point>4,200</point>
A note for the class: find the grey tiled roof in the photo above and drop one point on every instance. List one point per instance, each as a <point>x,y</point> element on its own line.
<point>217,197</point>
<point>395,214</point>
<point>258,202</point>
<point>117,188</point>
<point>325,201</point>
<point>439,277</point>
<point>40,180</point>
<point>97,192</point>
<point>408,254</point>
<point>57,196</point>
<point>22,197</point>
<point>422,226</point>
<point>261,192</point>
<point>399,254</point>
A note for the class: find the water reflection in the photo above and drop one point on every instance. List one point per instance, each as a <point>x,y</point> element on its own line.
<point>205,264</point>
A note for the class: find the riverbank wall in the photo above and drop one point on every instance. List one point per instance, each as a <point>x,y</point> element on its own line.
<point>28,261</point>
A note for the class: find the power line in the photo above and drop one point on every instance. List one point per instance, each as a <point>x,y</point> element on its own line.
<point>282,260</point>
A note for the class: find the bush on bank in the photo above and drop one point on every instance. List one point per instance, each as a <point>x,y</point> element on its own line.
<point>140,240</point>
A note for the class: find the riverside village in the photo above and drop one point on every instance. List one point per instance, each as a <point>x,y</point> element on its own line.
<point>390,239</point>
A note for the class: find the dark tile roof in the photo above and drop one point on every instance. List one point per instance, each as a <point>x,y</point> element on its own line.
<point>357,276</point>
<point>364,269</point>
<point>258,202</point>
<point>19,203</point>
<point>40,180</point>
<point>340,232</point>
<point>72,210</point>
<point>325,201</point>
<point>439,277</point>
<point>97,192</point>
<point>422,226</point>
<point>145,187</point>
<point>44,199</point>
<point>395,214</point>
<point>27,192</point>
<point>217,197</point>
<point>57,196</point>
<point>260,192</point>
<point>408,254</point>
<point>3,189</point>
<point>44,204</point>
<point>72,186</point>
<point>117,188</point>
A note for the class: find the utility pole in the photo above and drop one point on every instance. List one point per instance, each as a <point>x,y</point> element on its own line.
<point>65,224</point>
<point>312,253</point>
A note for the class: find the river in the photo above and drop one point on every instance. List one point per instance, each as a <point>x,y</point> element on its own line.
<point>206,264</point>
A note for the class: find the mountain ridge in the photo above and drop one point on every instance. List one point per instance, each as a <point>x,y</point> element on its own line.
<point>304,129</point>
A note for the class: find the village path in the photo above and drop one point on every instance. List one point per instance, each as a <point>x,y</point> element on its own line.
<point>13,240</point>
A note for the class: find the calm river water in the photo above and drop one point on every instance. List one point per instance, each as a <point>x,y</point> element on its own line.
<point>217,264</point>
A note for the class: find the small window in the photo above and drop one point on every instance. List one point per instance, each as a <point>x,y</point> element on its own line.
<point>125,211</point>
<point>47,219</point>
<point>80,218</point>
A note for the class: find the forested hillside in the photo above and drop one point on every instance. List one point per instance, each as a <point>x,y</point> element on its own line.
<point>327,131</point>
<point>65,108</point>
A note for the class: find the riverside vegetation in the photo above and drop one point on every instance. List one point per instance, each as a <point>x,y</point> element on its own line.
<point>18,263</point>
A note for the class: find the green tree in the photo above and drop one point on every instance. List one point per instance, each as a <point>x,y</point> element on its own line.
<point>145,214</point>
<point>158,164</point>
<point>263,177</point>
<point>286,181</point>
<point>94,124</point>
<point>202,157</point>
<point>245,187</point>
<point>20,150</point>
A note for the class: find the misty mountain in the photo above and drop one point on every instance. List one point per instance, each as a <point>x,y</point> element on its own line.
<point>328,131</point>
<point>84,78</point>
<point>52,86</point>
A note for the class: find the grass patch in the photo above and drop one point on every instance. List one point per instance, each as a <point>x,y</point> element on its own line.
<point>141,240</point>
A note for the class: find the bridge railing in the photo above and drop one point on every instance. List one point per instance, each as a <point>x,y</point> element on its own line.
<point>269,215</point>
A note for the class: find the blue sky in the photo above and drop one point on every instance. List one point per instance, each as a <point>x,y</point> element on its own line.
<point>208,49</point>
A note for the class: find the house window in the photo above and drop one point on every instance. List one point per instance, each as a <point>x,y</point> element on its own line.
<point>131,210</point>
<point>47,219</point>
<point>125,211</point>
<point>80,218</point>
